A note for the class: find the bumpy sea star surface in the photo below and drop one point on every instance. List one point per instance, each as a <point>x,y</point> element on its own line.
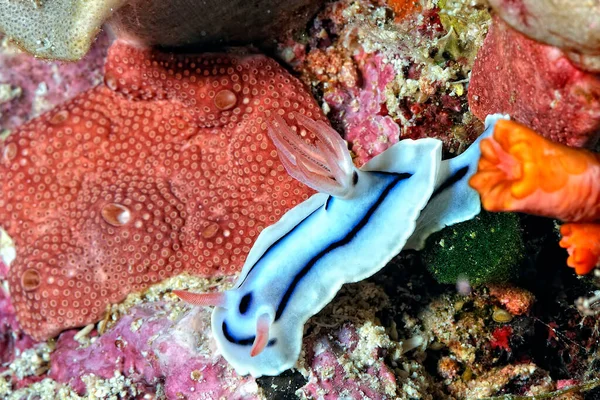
<point>165,168</point>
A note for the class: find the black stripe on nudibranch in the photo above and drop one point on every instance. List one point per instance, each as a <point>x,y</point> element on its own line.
<point>245,303</point>
<point>355,178</point>
<point>275,244</point>
<point>327,202</point>
<point>248,341</point>
<point>455,177</point>
<point>345,240</point>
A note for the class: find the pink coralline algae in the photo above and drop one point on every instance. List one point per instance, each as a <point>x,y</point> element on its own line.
<point>537,85</point>
<point>165,168</point>
<point>517,301</point>
<point>154,345</point>
<point>368,129</point>
<point>30,86</point>
<point>327,356</point>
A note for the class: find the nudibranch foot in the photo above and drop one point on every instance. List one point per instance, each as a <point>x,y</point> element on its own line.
<point>520,170</point>
<point>582,241</point>
<point>326,167</point>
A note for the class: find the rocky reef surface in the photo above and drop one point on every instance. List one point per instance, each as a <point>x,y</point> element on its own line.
<point>488,310</point>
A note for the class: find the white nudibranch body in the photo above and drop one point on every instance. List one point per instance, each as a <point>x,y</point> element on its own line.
<point>358,222</point>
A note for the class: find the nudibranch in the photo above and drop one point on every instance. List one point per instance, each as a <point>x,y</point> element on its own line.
<point>522,171</point>
<point>358,222</point>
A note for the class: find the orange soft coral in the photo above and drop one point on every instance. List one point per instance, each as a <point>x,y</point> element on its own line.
<point>520,170</point>
<point>582,241</point>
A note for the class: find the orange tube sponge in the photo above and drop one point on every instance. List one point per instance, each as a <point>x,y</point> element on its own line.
<point>582,241</point>
<point>520,170</point>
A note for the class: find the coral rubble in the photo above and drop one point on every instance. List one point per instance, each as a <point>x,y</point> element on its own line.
<point>347,353</point>
<point>382,80</point>
<point>12,340</point>
<point>153,346</point>
<point>159,347</point>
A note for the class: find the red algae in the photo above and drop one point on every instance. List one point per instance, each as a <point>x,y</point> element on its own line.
<point>501,338</point>
<point>368,129</point>
<point>537,85</point>
<point>164,169</point>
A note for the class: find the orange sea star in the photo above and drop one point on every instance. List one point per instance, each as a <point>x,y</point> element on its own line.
<point>165,168</point>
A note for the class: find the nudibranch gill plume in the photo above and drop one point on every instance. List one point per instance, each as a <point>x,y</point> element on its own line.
<point>358,222</point>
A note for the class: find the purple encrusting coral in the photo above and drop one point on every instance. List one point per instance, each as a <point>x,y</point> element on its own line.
<point>153,345</point>
<point>348,354</point>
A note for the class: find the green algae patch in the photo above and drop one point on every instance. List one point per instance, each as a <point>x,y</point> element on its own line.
<point>488,248</point>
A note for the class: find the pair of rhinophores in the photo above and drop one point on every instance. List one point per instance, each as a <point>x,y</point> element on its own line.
<point>358,222</point>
